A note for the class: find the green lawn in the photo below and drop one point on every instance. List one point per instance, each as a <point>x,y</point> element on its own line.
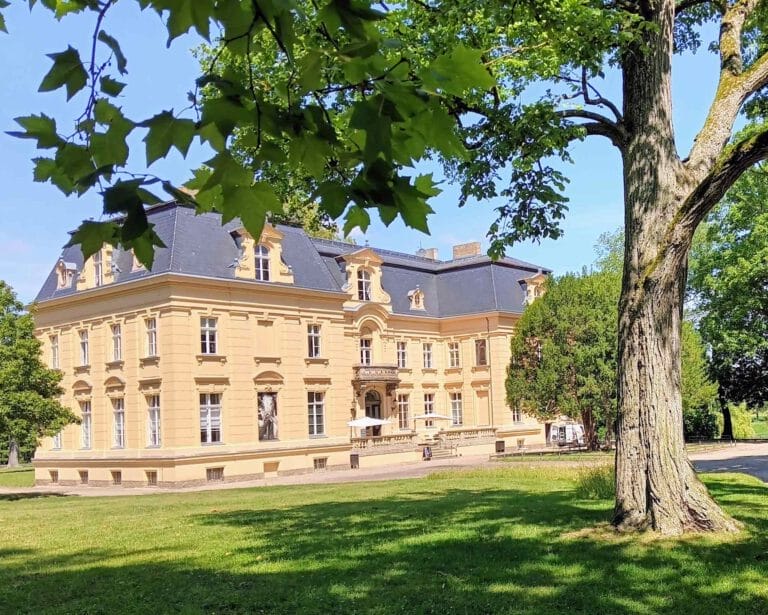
<point>17,477</point>
<point>761,428</point>
<point>508,540</point>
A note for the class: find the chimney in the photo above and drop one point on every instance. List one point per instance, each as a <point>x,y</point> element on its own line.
<point>430,253</point>
<point>464,250</point>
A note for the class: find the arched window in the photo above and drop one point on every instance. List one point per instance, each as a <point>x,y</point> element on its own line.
<point>363,285</point>
<point>262,263</point>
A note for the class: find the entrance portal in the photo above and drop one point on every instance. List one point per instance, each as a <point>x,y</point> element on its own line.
<point>373,410</point>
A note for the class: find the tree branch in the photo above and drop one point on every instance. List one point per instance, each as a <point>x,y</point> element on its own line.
<point>734,87</point>
<point>683,5</point>
<point>599,125</point>
<point>733,161</point>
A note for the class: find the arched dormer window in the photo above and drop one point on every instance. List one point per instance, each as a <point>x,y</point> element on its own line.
<point>261,255</point>
<point>363,285</point>
<point>65,273</point>
<point>416,297</point>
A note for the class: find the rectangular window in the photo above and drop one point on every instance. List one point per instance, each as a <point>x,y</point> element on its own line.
<point>84,354</point>
<point>153,420</point>
<point>207,335</point>
<point>517,415</point>
<point>262,263</point>
<point>403,413</point>
<point>118,415</point>
<point>457,414</point>
<point>151,327</point>
<point>366,356</point>
<point>313,341</point>
<point>117,343</point>
<point>117,477</point>
<point>426,351</point>
<point>86,425</point>
<point>320,463</point>
<point>151,478</point>
<point>83,476</point>
<point>214,474</point>
<point>481,352</point>
<point>54,476</point>
<point>402,354</point>
<point>98,269</point>
<point>453,354</point>
<point>429,408</point>
<point>57,441</point>
<point>267,416</point>
<point>54,351</point>
<point>363,285</point>
<point>210,418</point>
<point>316,413</point>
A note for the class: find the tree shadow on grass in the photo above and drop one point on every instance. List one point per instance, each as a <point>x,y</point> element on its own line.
<point>455,550</point>
<point>29,495</point>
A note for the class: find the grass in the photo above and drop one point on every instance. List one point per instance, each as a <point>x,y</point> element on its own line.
<point>507,540</point>
<point>760,427</point>
<point>23,476</point>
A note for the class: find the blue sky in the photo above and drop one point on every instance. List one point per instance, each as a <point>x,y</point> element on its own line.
<point>36,217</point>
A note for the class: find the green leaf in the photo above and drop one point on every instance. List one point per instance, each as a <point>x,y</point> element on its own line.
<point>111,87</point>
<point>3,4</point>
<point>67,70</point>
<point>310,71</point>
<point>123,197</point>
<point>110,147</point>
<point>91,236</point>
<point>458,72</point>
<point>356,217</point>
<point>112,43</point>
<point>333,198</point>
<point>40,127</point>
<point>185,14</point>
<point>166,131</point>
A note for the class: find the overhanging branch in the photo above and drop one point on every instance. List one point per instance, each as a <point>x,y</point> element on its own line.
<point>598,125</point>
<point>732,163</point>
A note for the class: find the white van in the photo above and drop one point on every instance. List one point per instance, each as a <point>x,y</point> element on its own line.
<point>566,434</point>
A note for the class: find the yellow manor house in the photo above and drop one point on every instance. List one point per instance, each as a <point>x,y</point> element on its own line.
<point>236,358</point>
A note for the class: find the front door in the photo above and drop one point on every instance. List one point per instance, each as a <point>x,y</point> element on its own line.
<point>373,410</point>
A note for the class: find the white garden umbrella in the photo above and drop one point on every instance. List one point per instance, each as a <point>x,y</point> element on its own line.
<point>367,421</point>
<point>430,417</point>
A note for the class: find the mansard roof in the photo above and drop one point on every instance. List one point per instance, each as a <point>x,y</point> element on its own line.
<point>199,245</point>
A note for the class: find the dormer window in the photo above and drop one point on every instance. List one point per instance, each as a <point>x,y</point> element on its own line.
<point>261,253</point>
<point>65,273</point>
<point>98,269</point>
<point>363,285</point>
<point>416,297</point>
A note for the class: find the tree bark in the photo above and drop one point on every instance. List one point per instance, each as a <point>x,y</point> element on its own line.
<point>13,454</point>
<point>656,486</point>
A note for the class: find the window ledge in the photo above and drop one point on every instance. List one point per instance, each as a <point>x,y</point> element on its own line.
<point>115,364</point>
<point>211,358</point>
<point>317,436</point>
<point>405,370</point>
<point>481,368</point>
<point>153,360</point>
<point>452,370</point>
<point>314,361</point>
<point>154,446</point>
<point>212,444</point>
<point>82,369</point>
<point>429,370</point>
<point>275,360</point>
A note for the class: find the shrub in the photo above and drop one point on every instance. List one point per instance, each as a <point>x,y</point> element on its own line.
<point>741,421</point>
<point>595,482</point>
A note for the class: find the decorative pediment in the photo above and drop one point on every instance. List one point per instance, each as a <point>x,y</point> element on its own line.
<point>533,286</point>
<point>363,271</point>
<point>268,377</point>
<point>261,260</point>
<point>366,257</point>
<point>97,270</point>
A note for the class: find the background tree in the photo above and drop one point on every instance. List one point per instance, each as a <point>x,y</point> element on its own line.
<point>700,394</point>
<point>564,353</point>
<point>417,81</point>
<point>729,286</point>
<point>29,409</point>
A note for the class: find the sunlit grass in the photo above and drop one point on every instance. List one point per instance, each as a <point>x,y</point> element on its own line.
<point>17,477</point>
<point>507,540</point>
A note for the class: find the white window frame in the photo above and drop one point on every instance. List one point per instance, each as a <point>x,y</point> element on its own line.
<point>366,351</point>
<point>481,352</point>
<point>454,355</point>
<point>403,411</point>
<point>153,421</point>
<point>363,285</point>
<point>118,422</point>
<point>261,262</point>
<point>316,413</point>
<point>98,269</point>
<point>208,334</point>
<point>86,425</point>
<point>427,357</point>
<point>117,342</point>
<point>210,418</point>
<point>150,324</point>
<point>54,339</point>
<point>457,408</point>
<point>314,346</point>
<point>402,354</point>
<point>57,441</point>
<point>517,414</point>
<point>85,355</point>
<point>429,408</point>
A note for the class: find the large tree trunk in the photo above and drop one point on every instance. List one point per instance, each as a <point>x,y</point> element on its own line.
<point>13,454</point>
<point>656,486</point>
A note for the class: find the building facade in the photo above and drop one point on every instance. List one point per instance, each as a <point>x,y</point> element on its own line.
<point>237,357</point>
